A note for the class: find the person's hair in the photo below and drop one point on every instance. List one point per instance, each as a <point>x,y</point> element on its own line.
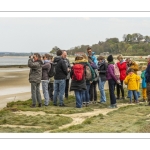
<point>100,58</point>
<point>64,51</point>
<point>84,56</point>
<point>89,48</point>
<point>120,56</point>
<point>38,56</point>
<point>130,70</point>
<point>50,57</point>
<point>128,59</point>
<point>59,52</point>
<point>78,58</point>
<point>47,56</point>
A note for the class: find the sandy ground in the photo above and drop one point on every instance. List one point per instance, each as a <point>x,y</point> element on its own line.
<point>14,85</point>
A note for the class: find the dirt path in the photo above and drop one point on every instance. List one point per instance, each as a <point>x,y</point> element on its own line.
<point>78,118</point>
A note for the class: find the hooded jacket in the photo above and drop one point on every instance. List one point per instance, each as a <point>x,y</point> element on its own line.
<point>45,69</point>
<point>93,57</point>
<point>132,80</point>
<point>35,74</point>
<point>61,68</point>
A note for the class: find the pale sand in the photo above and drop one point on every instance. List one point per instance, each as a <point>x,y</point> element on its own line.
<point>14,85</point>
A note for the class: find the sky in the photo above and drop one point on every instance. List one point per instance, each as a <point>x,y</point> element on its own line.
<point>41,34</point>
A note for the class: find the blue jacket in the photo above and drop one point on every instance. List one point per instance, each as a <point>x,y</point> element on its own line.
<point>94,59</point>
<point>147,73</point>
<point>144,85</point>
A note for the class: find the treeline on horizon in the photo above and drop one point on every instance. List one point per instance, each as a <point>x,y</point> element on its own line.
<point>132,44</point>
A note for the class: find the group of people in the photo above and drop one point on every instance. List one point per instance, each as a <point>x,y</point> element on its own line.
<point>86,73</point>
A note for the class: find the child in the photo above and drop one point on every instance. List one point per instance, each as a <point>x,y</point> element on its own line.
<point>132,81</point>
<point>144,84</point>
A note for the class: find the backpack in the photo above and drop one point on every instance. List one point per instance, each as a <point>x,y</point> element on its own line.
<point>88,74</point>
<point>96,74</point>
<point>52,70</point>
<point>116,71</point>
<point>78,72</point>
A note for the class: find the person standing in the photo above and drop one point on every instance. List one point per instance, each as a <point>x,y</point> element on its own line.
<point>122,65</point>
<point>78,82</point>
<point>45,78</point>
<point>102,68</point>
<point>64,55</point>
<point>59,79</point>
<point>112,80</point>
<point>91,54</point>
<point>35,64</point>
<point>147,76</point>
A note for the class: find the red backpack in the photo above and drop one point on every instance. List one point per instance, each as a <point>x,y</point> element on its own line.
<point>78,72</point>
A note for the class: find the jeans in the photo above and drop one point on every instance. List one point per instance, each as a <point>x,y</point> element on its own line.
<point>102,91</point>
<point>35,92</point>
<point>87,96</point>
<point>112,84</point>
<point>79,97</point>
<point>59,90</point>
<point>45,91</point>
<point>138,94</point>
<point>134,93</point>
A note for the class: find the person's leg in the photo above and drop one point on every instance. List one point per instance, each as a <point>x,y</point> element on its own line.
<point>95,90</point>
<point>91,92</point>
<point>66,88</point>
<point>122,90</point>
<point>111,92</point>
<point>50,90</point>
<point>130,95</point>
<point>78,98</point>
<point>118,91</point>
<point>102,90</point>
<point>33,93</point>
<point>62,84</point>
<point>144,94</point>
<point>45,92</point>
<point>56,91</point>
<point>38,94</point>
<point>136,96</point>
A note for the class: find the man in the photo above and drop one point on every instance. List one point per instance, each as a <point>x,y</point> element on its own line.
<point>91,55</point>
<point>147,76</point>
<point>64,55</point>
<point>35,75</point>
<point>59,79</point>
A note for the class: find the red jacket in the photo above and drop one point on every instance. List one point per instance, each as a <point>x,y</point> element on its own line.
<point>122,68</point>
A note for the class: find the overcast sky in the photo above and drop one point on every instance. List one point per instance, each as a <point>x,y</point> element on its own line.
<point>42,34</point>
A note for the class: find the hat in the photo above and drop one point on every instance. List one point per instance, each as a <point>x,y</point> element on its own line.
<point>110,58</point>
<point>148,56</point>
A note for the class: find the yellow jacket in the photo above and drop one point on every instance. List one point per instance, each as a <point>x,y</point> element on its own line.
<point>132,80</point>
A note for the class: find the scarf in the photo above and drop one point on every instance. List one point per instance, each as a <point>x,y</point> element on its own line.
<point>111,63</point>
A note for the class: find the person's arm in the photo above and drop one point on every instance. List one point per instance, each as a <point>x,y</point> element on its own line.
<point>32,64</point>
<point>46,66</point>
<point>126,80</point>
<point>64,67</point>
<point>111,71</point>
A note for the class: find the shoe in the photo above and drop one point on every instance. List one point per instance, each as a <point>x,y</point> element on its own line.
<point>62,105</point>
<point>45,105</point>
<point>130,102</point>
<point>55,104</point>
<point>118,98</point>
<point>111,106</point>
<point>144,100</point>
<point>137,102</point>
<point>84,104</point>
<point>40,105</point>
<point>87,104</point>
<point>123,98</point>
<point>33,106</point>
<point>102,102</point>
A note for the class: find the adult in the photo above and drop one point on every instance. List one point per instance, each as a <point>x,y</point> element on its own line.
<point>59,78</point>
<point>78,86</point>
<point>35,75</point>
<point>122,65</point>
<point>45,78</point>
<point>91,54</point>
<point>112,80</point>
<point>64,55</point>
<point>102,68</point>
<point>147,76</point>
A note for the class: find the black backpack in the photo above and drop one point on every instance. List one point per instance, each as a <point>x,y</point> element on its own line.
<point>52,71</point>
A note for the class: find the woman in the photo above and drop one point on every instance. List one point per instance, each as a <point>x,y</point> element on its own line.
<point>102,68</point>
<point>45,78</point>
<point>122,65</point>
<point>112,80</point>
<point>78,82</point>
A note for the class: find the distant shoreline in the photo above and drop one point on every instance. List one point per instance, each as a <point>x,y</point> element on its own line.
<point>13,66</point>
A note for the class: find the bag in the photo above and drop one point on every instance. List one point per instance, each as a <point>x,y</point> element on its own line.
<point>52,71</point>
<point>78,72</point>
<point>116,71</point>
<point>88,74</point>
<point>96,75</point>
